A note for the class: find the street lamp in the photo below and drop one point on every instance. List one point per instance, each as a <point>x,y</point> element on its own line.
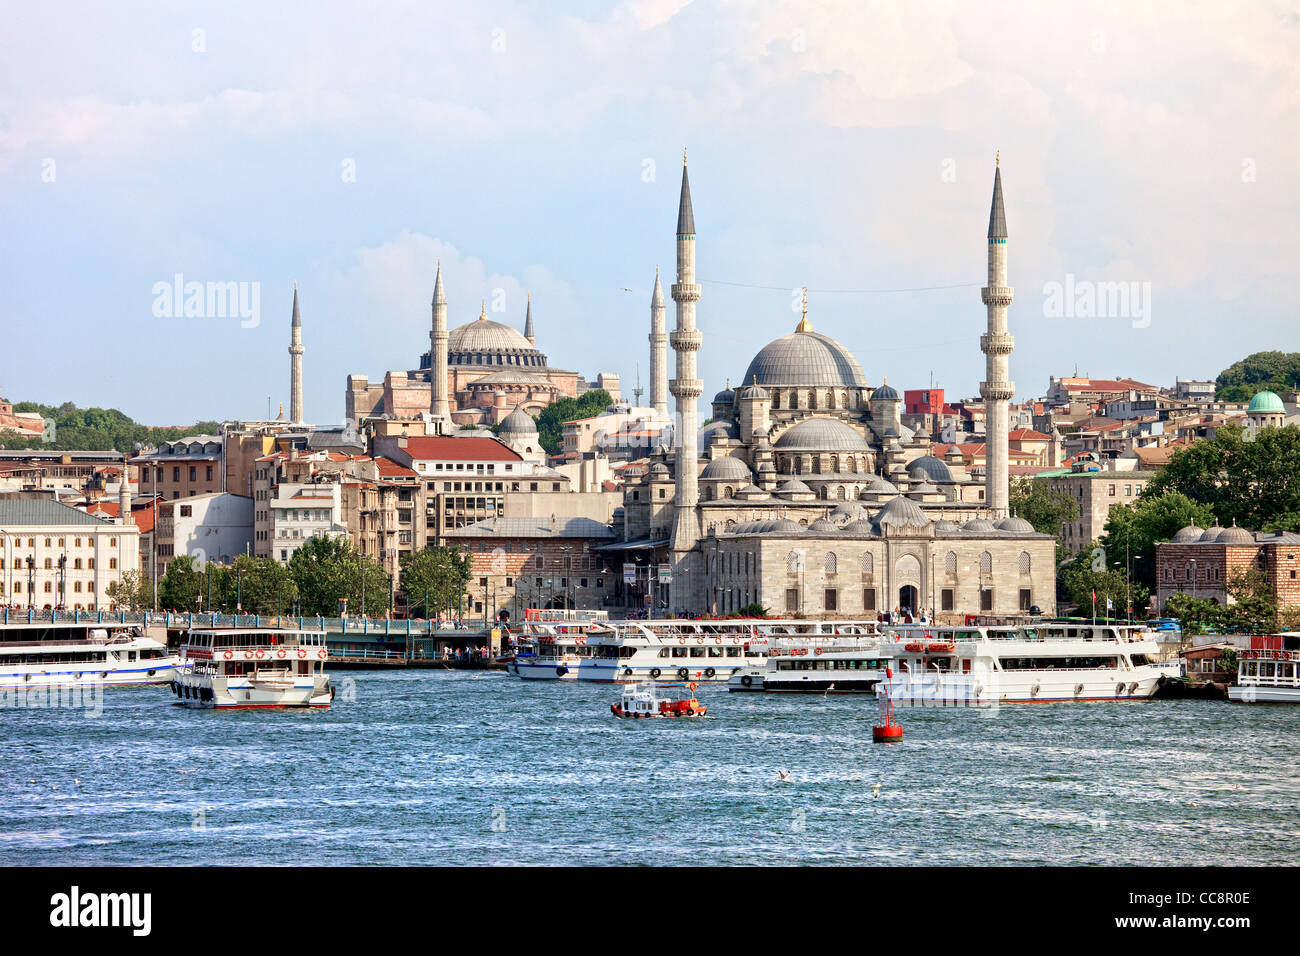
<point>31,581</point>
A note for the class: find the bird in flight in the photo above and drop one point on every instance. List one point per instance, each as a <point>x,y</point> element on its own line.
<point>875,791</point>
<point>783,775</point>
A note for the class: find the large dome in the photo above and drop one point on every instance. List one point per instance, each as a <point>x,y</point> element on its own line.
<point>822,434</point>
<point>484,335</point>
<point>805,358</point>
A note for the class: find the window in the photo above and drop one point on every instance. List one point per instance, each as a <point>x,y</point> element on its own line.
<point>950,563</point>
<point>1024,562</point>
<point>831,562</point>
<point>869,599</point>
<point>1026,599</point>
<point>986,563</point>
<point>791,598</point>
<point>794,562</point>
<point>947,600</point>
<point>867,563</point>
<point>986,599</point>
<point>832,599</point>
<point>187,511</point>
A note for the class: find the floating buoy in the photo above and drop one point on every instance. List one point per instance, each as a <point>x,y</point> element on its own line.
<point>889,730</point>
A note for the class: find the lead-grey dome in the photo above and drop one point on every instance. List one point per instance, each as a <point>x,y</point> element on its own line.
<point>726,468</point>
<point>886,393</point>
<point>518,423</point>
<point>901,513</point>
<point>784,526</point>
<point>794,487</point>
<point>1212,533</point>
<point>822,526</point>
<point>979,524</point>
<point>1235,535</point>
<point>1016,524</point>
<point>822,434</point>
<point>805,358</point>
<point>931,467</point>
<point>722,427</point>
<point>861,526</point>
<point>1189,534</point>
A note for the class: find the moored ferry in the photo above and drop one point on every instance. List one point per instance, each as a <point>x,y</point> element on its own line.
<point>68,654</point>
<point>663,650</point>
<point>1043,662</point>
<point>253,667</point>
<point>1268,671</point>
<point>837,666</point>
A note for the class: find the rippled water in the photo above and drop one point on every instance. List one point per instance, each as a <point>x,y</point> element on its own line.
<point>481,768</point>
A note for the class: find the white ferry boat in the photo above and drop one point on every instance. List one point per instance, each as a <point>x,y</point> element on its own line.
<point>1049,662</point>
<point>837,666</point>
<point>253,667</point>
<point>662,650</point>
<point>1268,671</point>
<point>82,654</point>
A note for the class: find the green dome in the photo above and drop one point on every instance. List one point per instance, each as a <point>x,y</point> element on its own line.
<point>1266,403</point>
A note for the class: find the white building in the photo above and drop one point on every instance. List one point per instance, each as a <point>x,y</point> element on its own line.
<point>301,511</point>
<point>213,527</point>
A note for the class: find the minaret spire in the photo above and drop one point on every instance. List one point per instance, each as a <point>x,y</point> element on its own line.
<point>528,322</point>
<point>686,389</point>
<point>996,344</point>
<point>658,350</point>
<point>295,361</point>
<point>439,408</point>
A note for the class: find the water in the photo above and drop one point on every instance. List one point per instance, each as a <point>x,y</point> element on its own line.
<point>481,768</point>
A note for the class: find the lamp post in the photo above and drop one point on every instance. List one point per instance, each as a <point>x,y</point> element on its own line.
<point>31,581</point>
<point>63,580</point>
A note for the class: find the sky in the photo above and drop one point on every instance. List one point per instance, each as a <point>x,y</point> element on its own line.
<point>536,148</point>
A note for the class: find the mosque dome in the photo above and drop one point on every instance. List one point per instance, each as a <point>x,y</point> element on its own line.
<point>822,434</point>
<point>805,358</point>
<point>1235,535</point>
<point>886,393</point>
<point>755,392</point>
<point>861,526</point>
<point>1017,524</point>
<point>659,470</point>
<point>517,424</point>
<point>979,524</point>
<point>848,511</point>
<point>1189,534</point>
<point>485,335</point>
<point>794,487</point>
<point>719,429</point>
<point>901,513</point>
<point>784,526</point>
<point>1266,403</point>
<point>724,397</point>
<point>932,468</point>
<point>822,526</point>
<point>726,468</point>
<point>881,486</point>
<point>1211,534</point>
<point>945,526</point>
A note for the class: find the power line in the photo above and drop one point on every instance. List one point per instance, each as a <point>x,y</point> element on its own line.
<point>782,288</point>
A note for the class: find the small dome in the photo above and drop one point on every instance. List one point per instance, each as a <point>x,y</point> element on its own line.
<point>794,487</point>
<point>518,423</point>
<point>886,393</point>
<point>881,486</point>
<point>766,468</point>
<point>1211,534</point>
<point>1189,534</point>
<point>848,511</point>
<point>822,526</point>
<point>861,526</point>
<point>719,429</point>
<point>925,488</point>
<point>1235,535</point>
<point>945,526</point>
<point>784,526</point>
<point>1266,403</point>
<point>979,524</point>
<point>933,468</point>
<point>751,490</point>
<point>659,469</point>
<point>901,513</point>
<point>822,434</point>
<point>726,468</point>
<point>756,392</point>
<point>724,397</point>
<point>1016,524</point>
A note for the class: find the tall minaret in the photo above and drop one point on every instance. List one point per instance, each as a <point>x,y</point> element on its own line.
<point>996,344</point>
<point>658,350</point>
<point>438,407</point>
<point>295,363</point>
<point>686,388</point>
<point>528,322</point>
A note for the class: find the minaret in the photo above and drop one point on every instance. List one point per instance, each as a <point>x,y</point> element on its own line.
<point>295,362</point>
<point>438,407</point>
<point>528,323</point>
<point>686,388</point>
<point>996,344</point>
<point>124,500</point>
<point>658,350</point>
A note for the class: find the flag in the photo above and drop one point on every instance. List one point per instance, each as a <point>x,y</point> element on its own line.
<point>1109,605</point>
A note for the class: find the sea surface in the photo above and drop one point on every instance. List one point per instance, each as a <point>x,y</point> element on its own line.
<point>438,767</point>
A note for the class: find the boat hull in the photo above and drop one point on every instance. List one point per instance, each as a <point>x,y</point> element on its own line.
<point>31,677</point>
<point>1252,694</point>
<point>205,693</point>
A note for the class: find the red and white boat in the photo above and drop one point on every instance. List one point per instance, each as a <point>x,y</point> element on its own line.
<point>1268,671</point>
<point>253,667</point>
<point>644,700</point>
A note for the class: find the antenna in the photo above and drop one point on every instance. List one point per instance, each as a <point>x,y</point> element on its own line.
<point>638,390</point>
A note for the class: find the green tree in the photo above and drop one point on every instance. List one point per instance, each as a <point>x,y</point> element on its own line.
<point>550,423</point>
<point>438,575</point>
<point>750,610</point>
<point>261,585</point>
<point>132,591</point>
<point>1260,371</point>
<point>1085,574</point>
<point>1254,483</point>
<point>180,586</point>
<point>1131,531</point>
<point>1042,506</point>
<point>329,569</point>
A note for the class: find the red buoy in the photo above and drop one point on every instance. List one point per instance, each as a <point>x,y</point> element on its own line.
<point>889,730</point>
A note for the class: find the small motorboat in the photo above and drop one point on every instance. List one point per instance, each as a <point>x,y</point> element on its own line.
<point>645,700</point>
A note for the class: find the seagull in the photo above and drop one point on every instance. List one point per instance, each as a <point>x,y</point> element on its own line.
<point>783,775</point>
<point>829,688</point>
<point>1192,803</point>
<point>76,781</point>
<point>1235,786</point>
<point>875,791</point>
<point>184,771</point>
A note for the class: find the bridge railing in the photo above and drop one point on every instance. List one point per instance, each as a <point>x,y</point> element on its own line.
<point>172,619</point>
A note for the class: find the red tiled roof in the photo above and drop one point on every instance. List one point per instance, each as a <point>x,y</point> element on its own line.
<point>391,469</point>
<point>1027,434</point>
<point>142,515</point>
<point>448,448</point>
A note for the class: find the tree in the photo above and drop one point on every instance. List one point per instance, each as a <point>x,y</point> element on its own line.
<point>179,588</point>
<point>1131,531</point>
<point>1086,574</point>
<point>438,575</point>
<point>327,570</point>
<point>1250,609</point>
<point>750,610</point>
<point>1254,483</point>
<point>132,590</point>
<point>1043,507</point>
<point>1258,372</point>
<point>550,423</point>
<point>259,585</point>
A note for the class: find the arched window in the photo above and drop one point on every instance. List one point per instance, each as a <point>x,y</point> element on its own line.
<point>986,563</point>
<point>950,562</point>
<point>831,562</point>
<point>794,562</point>
<point>1024,562</point>
<point>867,563</point>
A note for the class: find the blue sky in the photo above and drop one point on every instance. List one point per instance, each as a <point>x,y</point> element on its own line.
<point>537,147</point>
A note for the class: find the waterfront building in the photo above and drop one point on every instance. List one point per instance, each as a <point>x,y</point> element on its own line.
<point>1200,562</point>
<point>215,527</point>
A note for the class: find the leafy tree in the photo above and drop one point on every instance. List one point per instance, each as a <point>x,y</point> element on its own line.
<point>180,586</point>
<point>326,570</point>
<point>1043,507</point>
<point>260,585</point>
<point>1131,531</point>
<point>1260,371</point>
<point>1083,575</point>
<point>750,610</point>
<point>98,429</point>
<point>133,590</point>
<point>440,573</point>
<point>1251,608</point>
<point>550,423</point>
<point>1253,483</point>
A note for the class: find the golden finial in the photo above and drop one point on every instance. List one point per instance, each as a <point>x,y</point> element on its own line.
<point>683,155</point>
<point>295,285</point>
<point>756,378</point>
<point>804,324</point>
<point>884,379</point>
<point>482,316</point>
<point>997,158</point>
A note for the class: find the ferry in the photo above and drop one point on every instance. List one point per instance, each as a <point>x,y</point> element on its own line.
<point>229,668</point>
<point>1047,662</point>
<point>644,700</point>
<point>670,649</point>
<point>1268,671</point>
<point>82,654</point>
<point>837,666</point>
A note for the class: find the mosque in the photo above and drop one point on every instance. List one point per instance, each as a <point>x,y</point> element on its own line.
<point>807,494</point>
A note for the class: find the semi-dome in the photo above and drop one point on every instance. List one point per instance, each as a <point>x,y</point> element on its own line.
<point>1266,403</point>
<point>822,434</point>
<point>1235,535</point>
<point>861,526</point>
<point>900,513</point>
<point>784,526</point>
<point>517,424</point>
<point>805,358</point>
<point>1016,524</point>
<point>933,468</point>
<point>1189,534</point>
<point>726,468</point>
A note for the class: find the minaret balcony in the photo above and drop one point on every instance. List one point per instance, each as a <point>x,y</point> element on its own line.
<point>997,391</point>
<point>689,388</point>
<point>686,340</point>
<point>998,295</point>
<point>997,343</point>
<point>686,292</point>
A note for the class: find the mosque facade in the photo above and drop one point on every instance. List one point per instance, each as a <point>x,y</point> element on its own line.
<point>807,494</point>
